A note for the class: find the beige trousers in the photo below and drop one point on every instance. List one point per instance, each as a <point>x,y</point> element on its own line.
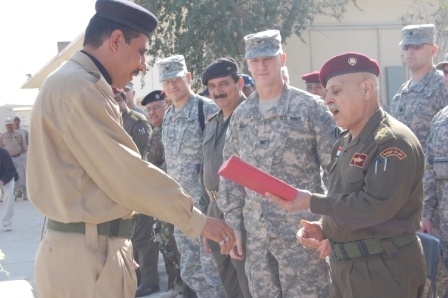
<point>84,266</point>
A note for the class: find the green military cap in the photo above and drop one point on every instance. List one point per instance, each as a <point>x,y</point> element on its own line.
<point>171,67</point>
<point>263,44</point>
<point>418,34</point>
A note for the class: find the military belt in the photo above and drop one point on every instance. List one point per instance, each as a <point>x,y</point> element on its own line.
<point>367,247</point>
<point>114,228</point>
<point>213,195</point>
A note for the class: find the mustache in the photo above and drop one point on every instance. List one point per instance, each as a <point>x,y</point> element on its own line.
<point>220,96</point>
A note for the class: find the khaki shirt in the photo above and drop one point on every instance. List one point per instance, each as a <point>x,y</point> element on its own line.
<point>13,142</point>
<point>84,167</point>
<point>375,183</point>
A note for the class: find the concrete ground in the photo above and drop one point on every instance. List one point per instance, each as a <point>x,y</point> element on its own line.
<point>19,247</point>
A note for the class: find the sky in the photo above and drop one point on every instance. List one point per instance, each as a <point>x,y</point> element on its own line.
<point>30,32</point>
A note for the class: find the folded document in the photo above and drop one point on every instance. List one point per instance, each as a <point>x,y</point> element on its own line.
<point>245,174</point>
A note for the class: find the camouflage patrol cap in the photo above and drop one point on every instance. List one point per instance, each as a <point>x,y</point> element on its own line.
<point>418,34</point>
<point>8,121</point>
<point>263,44</point>
<point>171,67</point>
<point>442,64</point>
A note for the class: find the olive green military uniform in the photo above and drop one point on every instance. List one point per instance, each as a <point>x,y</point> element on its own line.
<point>375,193</point>
<point>138,127</point>
<point>146,251</point>
<point>231,271</point>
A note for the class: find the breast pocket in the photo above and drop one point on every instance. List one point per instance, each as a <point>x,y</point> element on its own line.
<point>355,180</point>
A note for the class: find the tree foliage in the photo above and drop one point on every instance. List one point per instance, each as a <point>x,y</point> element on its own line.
<point>204,30</point>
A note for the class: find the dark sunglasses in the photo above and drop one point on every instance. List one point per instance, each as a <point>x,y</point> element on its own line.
<point>415,47</point>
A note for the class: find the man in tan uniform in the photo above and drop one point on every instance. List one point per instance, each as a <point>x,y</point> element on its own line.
<point>14,141</point>
<point>85,173</point>
<point>374,200</point>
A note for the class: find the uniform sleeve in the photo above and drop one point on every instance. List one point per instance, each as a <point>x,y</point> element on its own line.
<point>327,133</point>
<point>141,132</point>
<point>109,157</point>
<point>430,202</point>
<point>385,189</point>
<point>231,196</point>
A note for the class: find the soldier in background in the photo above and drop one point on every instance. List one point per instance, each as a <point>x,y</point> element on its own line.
<point>7,175</point>
<point>420,98</point>
<point>14,142</point>
<point>288,133</point>
<point>249,85</point>
<point>313,84</point>
<point>443,67</point>
<point>435,186</point>
<point>24,131</point>
<point>156,106</point>
<point>225,85</point>
<point>182,139</point>
<point>130,95</point>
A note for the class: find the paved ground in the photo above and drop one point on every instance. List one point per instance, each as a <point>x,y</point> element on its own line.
<point>19,247</point>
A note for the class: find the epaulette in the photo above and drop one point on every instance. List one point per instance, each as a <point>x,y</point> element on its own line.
<point>210,118</point>
<point>137,117</point>
<point>383,134</point>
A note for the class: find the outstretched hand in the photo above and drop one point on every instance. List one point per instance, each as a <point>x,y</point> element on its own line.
<point>300,202</point>
<point>311,236</point>
<point>218,231</point>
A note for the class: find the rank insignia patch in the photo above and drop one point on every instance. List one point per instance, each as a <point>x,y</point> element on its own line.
<point>358,160</point>
<point>393,152</point>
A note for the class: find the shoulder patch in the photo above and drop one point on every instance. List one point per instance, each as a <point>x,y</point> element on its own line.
<point>394,151</point>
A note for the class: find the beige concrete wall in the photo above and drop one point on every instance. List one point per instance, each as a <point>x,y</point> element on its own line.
<point>373,29</point>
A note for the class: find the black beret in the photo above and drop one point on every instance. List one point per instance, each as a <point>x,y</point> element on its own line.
<point>127,13</point>
<point>155,95</point>
<point>219,68</point>
<point>347,63</point>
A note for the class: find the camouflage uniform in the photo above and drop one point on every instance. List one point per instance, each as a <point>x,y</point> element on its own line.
<point>435,185</point>
<point>182,140</point>
<point>416,105</point>
<point>292,142</point>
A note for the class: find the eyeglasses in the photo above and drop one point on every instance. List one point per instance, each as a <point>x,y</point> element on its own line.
<point>173,81</point>
<point>415,47</point>
<point>154,108</point>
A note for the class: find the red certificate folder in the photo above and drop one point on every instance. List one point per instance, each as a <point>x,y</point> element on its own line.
<point>245,174</point>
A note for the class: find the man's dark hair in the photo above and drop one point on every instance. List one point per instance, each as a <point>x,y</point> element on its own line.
<point>236,77</point>
<point>99,29</point>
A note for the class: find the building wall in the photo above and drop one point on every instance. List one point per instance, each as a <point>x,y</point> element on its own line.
<point>373,29</point>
